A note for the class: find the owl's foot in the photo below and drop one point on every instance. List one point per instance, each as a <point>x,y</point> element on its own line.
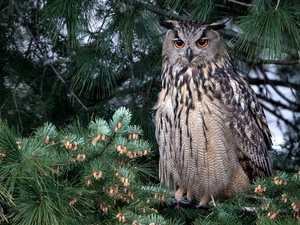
<point>184,200</point>
<point>199,205</point>
<point>202,206</point>
<point>205,200</point>
<point>179,194</point>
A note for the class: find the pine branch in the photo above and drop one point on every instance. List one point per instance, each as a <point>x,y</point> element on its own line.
<point>45,58</point>
<point>258,81</point>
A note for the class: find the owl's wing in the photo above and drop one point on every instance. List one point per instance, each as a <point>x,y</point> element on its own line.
<point>246,117</point>
<point>164,137</point>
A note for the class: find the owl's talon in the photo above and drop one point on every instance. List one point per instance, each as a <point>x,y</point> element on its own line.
<point>187,203</point>
<point>202,206</point>
<point>199,205</point>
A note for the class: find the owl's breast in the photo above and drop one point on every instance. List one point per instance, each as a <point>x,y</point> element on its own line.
<point>201,154</point>
<point>205,149</point>
<point>189,85</point>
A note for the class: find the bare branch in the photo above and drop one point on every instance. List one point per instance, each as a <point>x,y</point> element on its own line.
<point>276,89</point>
<point>258,81</point>
<point>276,114</point>
<point>2,106</point>
<point>240,3</point>
<point>294,94</point>
<point>71,91</point>
<point>241,57</point>
<point>275,62</point>
<point>276,103</point>
<point>277,5</point>
<point>17,109</point>
<point>5,8</point>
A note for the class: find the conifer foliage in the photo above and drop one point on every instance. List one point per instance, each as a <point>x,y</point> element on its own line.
<point>102,174</point>
<point>92,175</point>
<point>66,68</point>
<point>274,201</point>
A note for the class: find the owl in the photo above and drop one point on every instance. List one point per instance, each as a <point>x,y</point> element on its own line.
<point>212,133</point>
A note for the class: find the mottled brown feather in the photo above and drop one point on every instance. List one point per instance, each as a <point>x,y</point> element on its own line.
<point>211,130</point>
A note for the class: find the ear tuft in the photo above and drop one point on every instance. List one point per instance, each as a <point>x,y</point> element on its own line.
<point>217,26</point>
<point>169,24</point>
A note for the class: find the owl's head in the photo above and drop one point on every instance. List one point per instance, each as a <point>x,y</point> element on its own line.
<point>192,43</point>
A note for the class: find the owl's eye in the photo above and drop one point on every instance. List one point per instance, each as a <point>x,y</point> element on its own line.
<point>178,43</point>
<point>201,43</point>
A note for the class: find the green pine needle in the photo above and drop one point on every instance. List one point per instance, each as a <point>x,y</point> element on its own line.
<point>266,33</point>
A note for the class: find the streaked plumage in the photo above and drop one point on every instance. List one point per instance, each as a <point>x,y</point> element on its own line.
<point>211,130</point>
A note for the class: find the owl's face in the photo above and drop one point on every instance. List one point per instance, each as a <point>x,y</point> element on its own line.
<point>192,43</point>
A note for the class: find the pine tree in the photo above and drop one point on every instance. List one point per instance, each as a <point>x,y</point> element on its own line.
<point>65,63</point>
<point>102,174</point>
<point>61,60</point>
<point>79,175</point>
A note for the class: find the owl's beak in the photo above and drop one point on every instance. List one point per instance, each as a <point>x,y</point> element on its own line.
<point>189,54</point>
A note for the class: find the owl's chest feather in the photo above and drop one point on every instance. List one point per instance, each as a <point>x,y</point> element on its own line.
<point>189,85</point>
<point>201,145</point>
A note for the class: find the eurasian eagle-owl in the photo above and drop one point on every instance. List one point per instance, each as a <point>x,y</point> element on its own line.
<point>211,130</point>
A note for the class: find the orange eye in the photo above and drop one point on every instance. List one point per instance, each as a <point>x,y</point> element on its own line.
<point>178,43</point>
<point>201,43</point>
